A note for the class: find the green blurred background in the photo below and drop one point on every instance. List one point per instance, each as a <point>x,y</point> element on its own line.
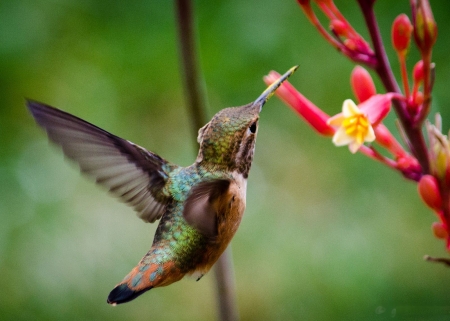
<point>327,235</point>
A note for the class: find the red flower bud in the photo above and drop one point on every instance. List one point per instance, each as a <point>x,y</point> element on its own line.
<point>401,33</point>
<point>439,230</point>
<point>418,72</point>
<point>428,188</point>
<point>425,28</point>
<point>418,98</point>
<point>339,27</point>
<point>410,167</point>
<point>350,44</point>
<point>362,84</point>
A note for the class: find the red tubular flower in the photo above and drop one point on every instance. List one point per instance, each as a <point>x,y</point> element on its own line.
<point>428,188</point>
<point>355,124</point>
<point>345,39</point>
<point>312,114</point>
<point>385,138</point>
<point>401,34</point>
<point>362,84</point>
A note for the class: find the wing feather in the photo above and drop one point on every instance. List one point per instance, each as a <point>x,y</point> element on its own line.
<point>128,171</point>
<point>202,207</point>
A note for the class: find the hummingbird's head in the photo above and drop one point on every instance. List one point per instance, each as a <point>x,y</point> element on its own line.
<point>229,138</point>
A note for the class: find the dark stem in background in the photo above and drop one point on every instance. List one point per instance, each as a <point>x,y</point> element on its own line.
<point>444,261</point>
<point>384,71</point>
<point>194,91</point>
<point>196,102</point>
<point>226,288</point>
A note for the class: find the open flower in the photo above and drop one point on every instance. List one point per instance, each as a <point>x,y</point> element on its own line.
<point>353,126</point>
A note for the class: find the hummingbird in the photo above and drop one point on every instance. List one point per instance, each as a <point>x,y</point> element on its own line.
<point>199,207</point>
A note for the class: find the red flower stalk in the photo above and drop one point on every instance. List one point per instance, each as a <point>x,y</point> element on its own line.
<point>359,125</point>
<point>345,39</point>
<point>401,38</point>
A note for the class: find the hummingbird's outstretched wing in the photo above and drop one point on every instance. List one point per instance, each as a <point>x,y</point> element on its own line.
<point>130,172</point>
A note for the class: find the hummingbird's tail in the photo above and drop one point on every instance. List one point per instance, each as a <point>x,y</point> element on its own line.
<point>143,278</point>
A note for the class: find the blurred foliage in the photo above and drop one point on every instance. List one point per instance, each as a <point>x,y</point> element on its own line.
<point>327,235</point>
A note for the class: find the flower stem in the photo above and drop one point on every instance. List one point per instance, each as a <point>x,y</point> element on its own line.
<point>195,95</point>
<point>426,88</point>
<point>196,103</point>
<point>415,138</point>
<point>404,73</point>
<point>371,152</point>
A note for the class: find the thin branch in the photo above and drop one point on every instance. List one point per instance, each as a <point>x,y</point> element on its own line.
<point>444,261</point>
<point>404,73</point>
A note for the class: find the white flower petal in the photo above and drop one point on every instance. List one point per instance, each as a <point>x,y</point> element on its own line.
<point>349,108</point>
<point>336,120</point>
<point>341,138</point>
<point>370,137</point>
<point>354,146</point>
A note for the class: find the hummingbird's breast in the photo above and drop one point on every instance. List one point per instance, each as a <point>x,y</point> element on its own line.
<point>232,215</point>
<point>185,245</point>
<point>229,216</point>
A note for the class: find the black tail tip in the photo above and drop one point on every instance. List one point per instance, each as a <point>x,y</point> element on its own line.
<point>122,294</point>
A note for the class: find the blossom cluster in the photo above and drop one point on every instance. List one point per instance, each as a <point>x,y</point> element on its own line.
<point>424,159</point>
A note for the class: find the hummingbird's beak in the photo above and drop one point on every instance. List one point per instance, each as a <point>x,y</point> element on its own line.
<point>261,100</point>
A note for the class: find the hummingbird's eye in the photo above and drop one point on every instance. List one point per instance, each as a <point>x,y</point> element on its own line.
<point>253,128</point>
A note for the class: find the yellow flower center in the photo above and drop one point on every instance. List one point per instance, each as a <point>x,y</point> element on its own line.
<point>356,126</point>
